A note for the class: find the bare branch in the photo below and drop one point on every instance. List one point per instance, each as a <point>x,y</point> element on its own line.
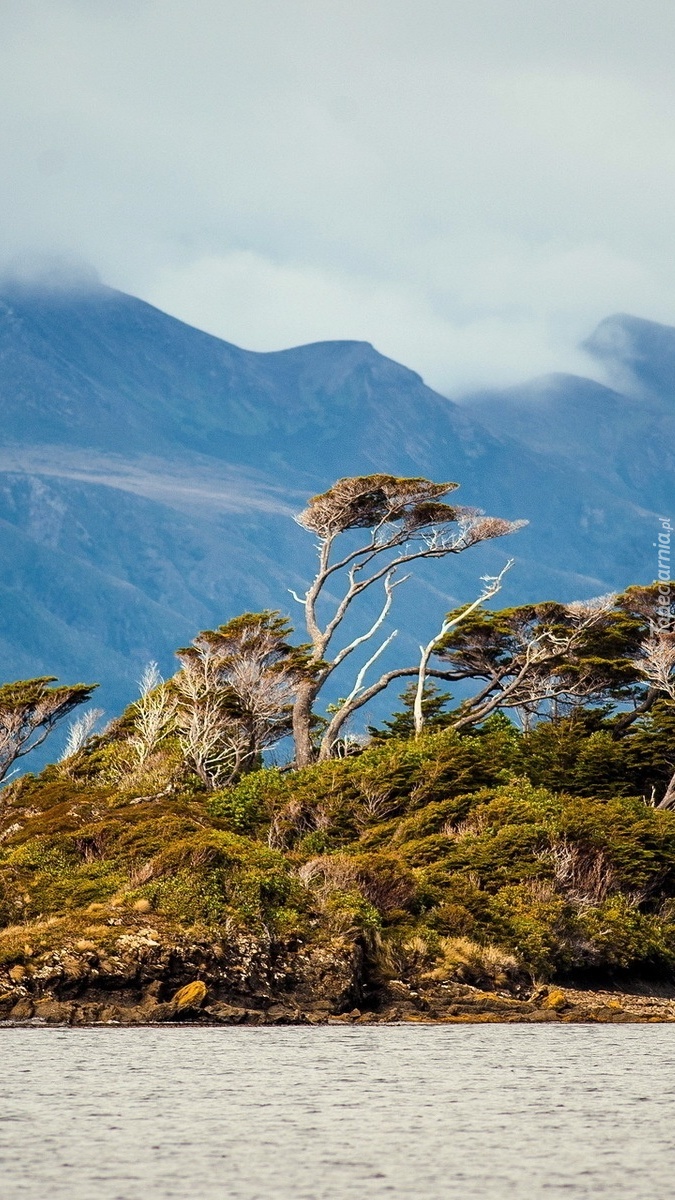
<point>366,666</point>
<point>493,584</point>
<point>79,731</point>
<point>389,585</point>
<point>657,663</point>
<point>154,714</point>
<point>408,521</point>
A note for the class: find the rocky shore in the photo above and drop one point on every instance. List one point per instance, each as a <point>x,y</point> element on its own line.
<point>143,979</point>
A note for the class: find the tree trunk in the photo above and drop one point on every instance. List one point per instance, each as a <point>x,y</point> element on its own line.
<point>331,736</point>
<point>669,798</point>
<point>418,706</point>
<point>302,724</point>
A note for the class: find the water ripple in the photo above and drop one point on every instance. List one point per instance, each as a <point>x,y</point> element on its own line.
<point>330,1113</point>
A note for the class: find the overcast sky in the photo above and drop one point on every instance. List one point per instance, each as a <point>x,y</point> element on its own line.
<point>469,184</point>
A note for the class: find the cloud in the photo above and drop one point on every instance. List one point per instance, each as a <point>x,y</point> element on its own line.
<point>469,187</point>
<point>219,294</point>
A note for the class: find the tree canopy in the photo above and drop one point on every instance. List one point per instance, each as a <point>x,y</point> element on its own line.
<point>29,710</point>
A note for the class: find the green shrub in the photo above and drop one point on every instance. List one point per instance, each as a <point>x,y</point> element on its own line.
<point>251,802</point>
<point>348,912</point>
<point>619,935</point>
<point>447,840</point>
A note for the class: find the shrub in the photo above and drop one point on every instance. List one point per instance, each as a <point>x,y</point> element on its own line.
<point>251,802</point>
<point>383,881</point>
<point>469,962</point>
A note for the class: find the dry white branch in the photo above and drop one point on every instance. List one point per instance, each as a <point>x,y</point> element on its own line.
<point>493,584</point>
<point>657,663</point>
<point>79,731</point>
<point>154,714</point>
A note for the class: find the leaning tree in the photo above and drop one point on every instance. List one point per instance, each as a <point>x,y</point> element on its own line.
<point>535,658</point>
<point>29,710</point>
<point>540,659</point>
<point>401,521</point>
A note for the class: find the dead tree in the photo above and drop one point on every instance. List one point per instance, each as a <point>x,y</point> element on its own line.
<point>154,714</point>
<point>79,732</point>
<point>29,710</point>
<point>404,521</point>
<point>234,694</point>
<point>209,738</point>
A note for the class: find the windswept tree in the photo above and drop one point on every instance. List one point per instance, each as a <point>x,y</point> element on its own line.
<point>543,659</point>
<point>493,585</point>
<point>234,694</point>
<point>29,710</point>
<point>532,658</point>
<point>402,521</point>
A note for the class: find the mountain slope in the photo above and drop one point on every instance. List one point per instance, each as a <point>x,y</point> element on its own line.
<point>149,472</point>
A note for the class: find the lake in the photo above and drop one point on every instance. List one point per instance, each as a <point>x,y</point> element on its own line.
<point>334,1112</point>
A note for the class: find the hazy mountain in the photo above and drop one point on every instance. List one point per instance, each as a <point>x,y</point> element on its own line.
<point>638,353</point>
<point>149,472</point>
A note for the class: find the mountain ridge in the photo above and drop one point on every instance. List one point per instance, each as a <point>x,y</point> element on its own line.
<point>169,461</point>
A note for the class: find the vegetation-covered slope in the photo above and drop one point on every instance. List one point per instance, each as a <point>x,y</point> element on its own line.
<point>453,858</point>
<point>433,877</point>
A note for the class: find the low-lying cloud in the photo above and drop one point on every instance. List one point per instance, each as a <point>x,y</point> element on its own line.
<point>469,187</point>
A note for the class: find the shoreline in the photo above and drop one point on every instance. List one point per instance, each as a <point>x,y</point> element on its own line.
<point>468,1006</point>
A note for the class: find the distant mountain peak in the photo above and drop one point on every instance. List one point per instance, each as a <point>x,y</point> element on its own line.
<point>89,365</point>
<point>636,351</point>
<point>49,273</point>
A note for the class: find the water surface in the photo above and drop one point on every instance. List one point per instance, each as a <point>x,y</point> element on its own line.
<point>338,1112</point>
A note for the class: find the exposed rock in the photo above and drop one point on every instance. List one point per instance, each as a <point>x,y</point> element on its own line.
<point>191,996</point>
<point>226,1014</point>
<point>556,999</point>
<point>23,1010</point>
<point>55,1012</point>
<point>153,977</point>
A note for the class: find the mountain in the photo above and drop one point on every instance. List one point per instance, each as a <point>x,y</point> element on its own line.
<point>149,473</point>
<point>638,352</point>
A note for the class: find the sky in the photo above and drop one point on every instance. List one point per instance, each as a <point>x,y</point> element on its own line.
<point>470,185</point>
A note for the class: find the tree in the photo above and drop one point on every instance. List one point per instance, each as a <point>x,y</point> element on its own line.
<point>656,663</point>
<point>79,732</point>
<point>492,586</point>
<point>29,710</point>
<point>154,714</point>
<point>544,658</point>
<point>234,694</point>
<point>404,520</point>
<point>534,657</point>
<point>642,611</point>
<point>402,723</point>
